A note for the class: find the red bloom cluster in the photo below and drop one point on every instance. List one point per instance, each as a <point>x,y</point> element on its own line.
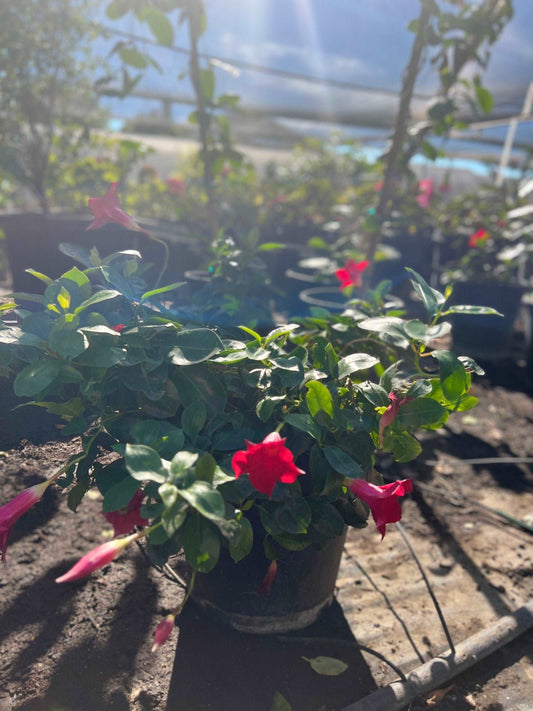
<point>266,463</point>
<point>107,209</point>
<point>382,500</point>
<point>176,186</point>
<point>126,519</point>
<point>351,274</point>
<point>426,189</point>
<point>478,238</point>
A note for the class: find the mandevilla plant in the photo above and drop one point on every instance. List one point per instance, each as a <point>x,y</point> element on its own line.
<point>219,441</point>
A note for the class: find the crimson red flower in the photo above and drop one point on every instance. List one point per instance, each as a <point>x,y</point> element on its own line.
<point>97,558</point>
<point>127,518</point>
<point>14,509</point>
<point>388,417</point>
<point>176,186</point>
<point>119,327</point>
<point>383,500</point>
<point>478,238</point>
<point>351,274</point>
<point>107,209</point>
<point>163,631</point>
<point>266,463</point>
<point>425,188</point>
<point>268,580</point>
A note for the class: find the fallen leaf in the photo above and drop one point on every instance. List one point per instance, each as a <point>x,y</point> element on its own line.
<point>327,666</point>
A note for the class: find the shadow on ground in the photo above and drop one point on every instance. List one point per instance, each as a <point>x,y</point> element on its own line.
<point>218,669</point>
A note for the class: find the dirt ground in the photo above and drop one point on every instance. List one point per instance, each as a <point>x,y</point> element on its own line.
<point>86,646</point>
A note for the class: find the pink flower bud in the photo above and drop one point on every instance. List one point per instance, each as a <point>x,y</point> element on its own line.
<point>388,417</point>
<point>163,631</point>
<point>14,509</point>
<point>96,558</point>
<point>268,580</point>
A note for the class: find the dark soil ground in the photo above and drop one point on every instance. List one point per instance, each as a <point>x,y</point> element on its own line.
<point>86,646</point>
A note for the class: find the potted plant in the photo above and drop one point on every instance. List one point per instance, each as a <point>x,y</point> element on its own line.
<point>250,456</point>
<point>486,250</point>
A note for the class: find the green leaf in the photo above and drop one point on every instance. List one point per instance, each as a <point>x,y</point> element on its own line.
<point>40,276</point>
<point>319,398</point>
<point>36,377</point>
<point>144,463</point>
<point>201,544</point>
<point>132,57</point>
<point>80,279</point>
<point>419,331</point>
<point>293,516</point>
<point>327,666</point>
<point>68,344</point>
<point>473,310</point>
<point>422,412</point>
<point>390,329</point>
<point>453,376</point>
<point>431,298</point>
<point>207,84</point>
<point>205,499</point>
<point>280,703</point>
<point>194,346</point>
<point>193,418</point>
<point>97,298</point>
<point>305,423</point>
<point>342,462</point>
<point>117,8</point>
<point>404,446</point>
<point>102,357</point>
<point>120,494</point>
<point>483,96</point>
<point>159,25</point>
<point>161,290</point>
<point>241,543</point>
<point>205,468</point>
<point>355,362</point>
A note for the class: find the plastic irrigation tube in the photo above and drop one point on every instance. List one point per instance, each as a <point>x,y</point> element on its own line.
<point>439,670</point>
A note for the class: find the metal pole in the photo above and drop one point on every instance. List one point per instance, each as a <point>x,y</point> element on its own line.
<point>509,139</point>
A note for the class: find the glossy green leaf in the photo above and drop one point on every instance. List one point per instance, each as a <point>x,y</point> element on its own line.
<point>144,463</point>
<point>42,277</point>
<point>120,494</point>
<point>105,295</point>
<point>404,446</point>
<point>68,344</point>
<point>431,298</point>
<point>201,544</point>
<point>342,462</point>
<point>36,377</point>
<point>280,703</point>
<point>293,516</point>
<point>305,423</point>
<point>453,376</point>
<point>194,346</point>
<point>205,499</point>
<point>159,24</point>
<point>472,310</point>
<point>418,413</point>
<point>318,398</point>
<point>355,362</point>
<point>161,290</point>
<point>241,543</point>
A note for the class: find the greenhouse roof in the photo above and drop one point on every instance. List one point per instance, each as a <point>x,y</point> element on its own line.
<point>317,64</point>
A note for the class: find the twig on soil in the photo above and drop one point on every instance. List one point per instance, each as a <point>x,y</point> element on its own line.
<point>428,586</point>
<point>344,643</point>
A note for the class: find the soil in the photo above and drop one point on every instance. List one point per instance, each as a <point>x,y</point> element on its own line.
<point>86,646</point>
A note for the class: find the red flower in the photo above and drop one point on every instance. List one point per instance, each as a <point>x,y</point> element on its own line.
<point>478,238</point>
<point>378,186</point>
<point>425,188</point>
<point>383,500</point>
<point>97,558</point>
<point>107,209</point>
<point>268,580</point>
<point>127,518</point>
<point>176,186</point>
<point>163,631</point>
<point>119,327</point>
<point>351,274</point>
<point>14,509</point>
<point>388,417</point>
<point>266,463</point>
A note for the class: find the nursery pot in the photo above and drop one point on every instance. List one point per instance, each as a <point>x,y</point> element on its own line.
<point>485,337</point>
<point>303,586</point>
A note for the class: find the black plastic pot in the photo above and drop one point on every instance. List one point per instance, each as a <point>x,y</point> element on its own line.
<point>304,585</point>
<point>33,240</point>
<point>485,337</point>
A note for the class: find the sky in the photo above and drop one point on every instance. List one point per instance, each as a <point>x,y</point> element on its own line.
<point>359,41</point>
